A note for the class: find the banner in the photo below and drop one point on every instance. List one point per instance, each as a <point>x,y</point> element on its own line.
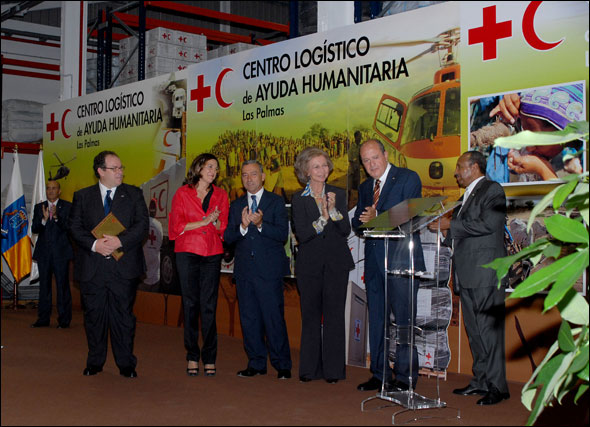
<point>423,82</point>
<point>16,244</point>
<point>39,196</point>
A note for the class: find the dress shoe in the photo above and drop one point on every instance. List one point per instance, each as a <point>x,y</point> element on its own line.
<point>373,384</point>
<point>396,385</point>
<point>39,324</point>
<point>470,390</point>
<point>492,397</point>
<point>284,374</point>
<point>304,379</point>
<point>250,372</point>
<point>331,380</point>
<point>128,372</point>
<point>91,370</point>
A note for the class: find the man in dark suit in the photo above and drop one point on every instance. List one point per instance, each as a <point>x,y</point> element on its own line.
<point>258,225</point>
<point>109,286</point>
<point>476,233</point>
<point>387,186</point>
<point>53,252</point>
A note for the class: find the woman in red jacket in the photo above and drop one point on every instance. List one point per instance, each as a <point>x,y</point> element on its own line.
<point>198,218</point>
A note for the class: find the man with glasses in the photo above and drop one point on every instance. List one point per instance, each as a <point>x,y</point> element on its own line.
<point>108,285</point>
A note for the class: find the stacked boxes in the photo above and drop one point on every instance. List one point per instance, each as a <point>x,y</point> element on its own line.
<point>91,66</point>
<point>165,51</point>
<point>229,49</point>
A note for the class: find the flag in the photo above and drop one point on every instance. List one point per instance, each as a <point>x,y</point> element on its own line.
<point>39,195</point>
<point>16,244</point>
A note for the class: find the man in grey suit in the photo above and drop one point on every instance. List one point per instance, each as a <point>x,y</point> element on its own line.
<point>476,233</point>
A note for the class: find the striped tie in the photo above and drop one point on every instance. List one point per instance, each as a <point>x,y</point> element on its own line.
<point>376,192</point>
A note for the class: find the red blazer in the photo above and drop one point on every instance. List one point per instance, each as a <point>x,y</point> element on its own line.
<point>187,207</point>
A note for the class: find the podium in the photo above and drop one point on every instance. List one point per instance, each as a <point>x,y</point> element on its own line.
<point>400,223</point>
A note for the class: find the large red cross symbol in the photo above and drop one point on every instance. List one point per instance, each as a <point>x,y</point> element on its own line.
<point>489,33</point>
<point>201,93</point>
<point>52,126</point>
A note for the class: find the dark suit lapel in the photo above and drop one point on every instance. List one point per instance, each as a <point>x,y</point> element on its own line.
<point>264,201</point>
<point>389,183</point>
<point>120,199</point>
<point>469,200</point>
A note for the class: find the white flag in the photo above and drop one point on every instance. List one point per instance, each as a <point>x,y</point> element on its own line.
<point>39,195</point>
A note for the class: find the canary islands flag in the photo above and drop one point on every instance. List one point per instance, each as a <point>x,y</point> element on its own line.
<point>16,244</point>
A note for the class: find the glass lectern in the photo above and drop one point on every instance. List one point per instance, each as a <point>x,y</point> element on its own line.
<point>400,223</point>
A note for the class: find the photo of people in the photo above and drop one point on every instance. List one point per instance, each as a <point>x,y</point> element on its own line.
<point>540,109</point>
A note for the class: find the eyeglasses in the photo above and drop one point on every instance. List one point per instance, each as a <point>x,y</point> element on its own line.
<point>115,169</point>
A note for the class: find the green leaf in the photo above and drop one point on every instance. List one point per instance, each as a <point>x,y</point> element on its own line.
<point>565,338</point>
<point>527,138</point>
<point>583,374</point>
<point>552,250</point>
<point>560,269</point>
<point>583,389</point>
<point>572,267</point>
<point>580,361</point>
<point>566,229</point>
<point>574,308</point>
<point>503,264</point>
<point>527,397</point>
<point>562,192</point>
<point>540,207</point>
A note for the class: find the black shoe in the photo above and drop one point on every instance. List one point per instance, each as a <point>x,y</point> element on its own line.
<point>396,385</point>
<point>39,324</point>
<point>373,384</point>
<point>304,379</point>
<point>284,374</point>
<point>91,370</point>
<point>128,372</point>
<point>331,380</point>
<point>63,326</point>
<point>492,397</point>
<point>470,391</point>
<point>250,372</point>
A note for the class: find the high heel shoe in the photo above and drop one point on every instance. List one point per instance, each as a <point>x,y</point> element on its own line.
<point>192,371</point>
<point>210,370</point>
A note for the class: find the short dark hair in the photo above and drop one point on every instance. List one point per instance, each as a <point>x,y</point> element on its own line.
<point>194,172</point>
<point>479,159</point>
<point>253,162</point>
<point>99,160</point>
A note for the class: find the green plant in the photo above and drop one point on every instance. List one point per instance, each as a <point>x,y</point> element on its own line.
<point>565,366</point>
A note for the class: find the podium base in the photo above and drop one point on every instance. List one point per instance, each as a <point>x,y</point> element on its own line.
<point>411,401</point>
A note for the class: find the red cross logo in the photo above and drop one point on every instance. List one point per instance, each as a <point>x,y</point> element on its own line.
<point>182,39</point>
<point>201,93</point>
<point>489,33</point>
<point>152,236</point>
<point>52,126</point>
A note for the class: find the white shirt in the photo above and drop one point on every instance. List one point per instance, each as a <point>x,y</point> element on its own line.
<point>103,194</point>
<point>258,195</point>
<point>468,191</point>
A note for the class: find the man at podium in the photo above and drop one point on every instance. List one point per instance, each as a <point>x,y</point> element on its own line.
<point>387,186</point>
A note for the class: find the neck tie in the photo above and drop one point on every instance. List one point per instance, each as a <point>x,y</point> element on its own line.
<point>376,192</point>
<point>50,211</point>
<point>254,204</point>
<point>107,203</point>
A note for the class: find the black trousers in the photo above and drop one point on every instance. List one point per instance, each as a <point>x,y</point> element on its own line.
<point>323,335</point>
<point>59,269</point>
<point>108,308</point>
<point>199,283</point>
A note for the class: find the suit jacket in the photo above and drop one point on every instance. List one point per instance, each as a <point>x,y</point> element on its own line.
<point>478,234</point>
<point>260,253</point>
<point>129,208</point>
<point>401,184</point>
<point>330,247</point>
<point>53,241</point>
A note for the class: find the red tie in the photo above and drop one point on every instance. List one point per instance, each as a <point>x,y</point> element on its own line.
<point>376,192</point>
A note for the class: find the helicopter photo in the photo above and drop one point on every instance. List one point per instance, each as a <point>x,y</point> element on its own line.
<point>426,133</point>
<point>62,171</point>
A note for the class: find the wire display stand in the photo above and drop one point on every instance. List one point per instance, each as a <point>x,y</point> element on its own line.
<point>400,223</point>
